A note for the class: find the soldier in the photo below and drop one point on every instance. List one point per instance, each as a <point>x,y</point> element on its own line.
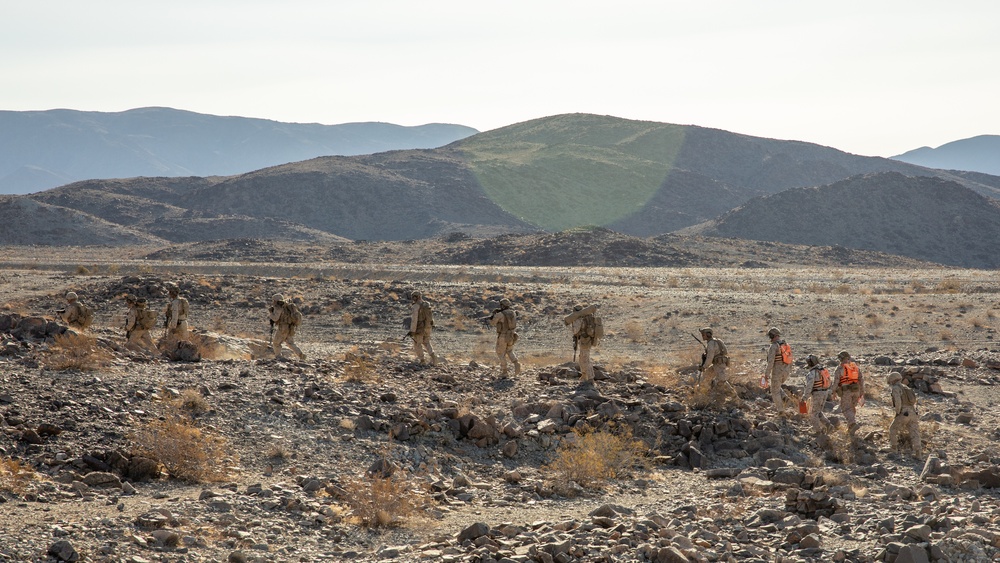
<point>580,323</point>
<point>138,322</point>
<point>714,361</point>
<point>814,393</point>
<point>285,318</point>
<point>76,314</point>
<point>850,383</point>
<point>505,321</point>
<point>778,368</point>
<point>904,402</point>
<point>176,314</point>
<point>421,323</point>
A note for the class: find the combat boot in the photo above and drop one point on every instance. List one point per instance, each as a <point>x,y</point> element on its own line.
<point>517,368</point>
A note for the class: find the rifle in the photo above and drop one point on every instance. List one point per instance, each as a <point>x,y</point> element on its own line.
<point>271,335</point>
<point>574,348</point>
<point>704,355</point>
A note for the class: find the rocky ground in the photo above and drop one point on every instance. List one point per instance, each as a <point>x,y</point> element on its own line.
<point>719,477</point>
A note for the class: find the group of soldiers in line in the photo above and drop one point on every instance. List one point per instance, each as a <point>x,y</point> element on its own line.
<point>848,382</point>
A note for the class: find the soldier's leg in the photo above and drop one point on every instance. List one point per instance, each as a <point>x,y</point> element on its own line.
<point>897,421</point>
<point>776,399</point>
<point>914,424</point>
<point>418,348</point>
<point>586,368</point>
<point>513,358</point>
<point>279,336</point>
<point>430,350</point>
<point>146,340</point>
<point>290,341</point>
<point>502,353</point>
<point>182,330</point>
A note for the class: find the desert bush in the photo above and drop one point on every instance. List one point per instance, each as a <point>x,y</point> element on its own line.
<point>14,475</point>
<point>72,350</point>
<point>594,457</point>
<point>82,270</point>
<point>359,368</point>
<point>187,452</point>
<point>635,331</point>
<point>192,401</point>
<point>378,502</point>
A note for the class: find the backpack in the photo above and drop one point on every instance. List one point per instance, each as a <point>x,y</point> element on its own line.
<point>723,352</point>
<point>292,315</point>
<point>908,397</point>
<point>425,316</point>
<point>785,352</point>
<point>509,320</point>
<point>146,318</point>
<point>592,327</point>
<point>86,315</point>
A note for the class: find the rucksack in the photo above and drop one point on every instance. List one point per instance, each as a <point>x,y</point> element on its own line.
<point>723,352</point>
<point>86,314</point>
<point>146,318</point>
<point>292,315</point>
<point>785,352</point>
<point>509,320</point>
<point>592,327</point>
<point>425,316</point>
<point>908,397</point>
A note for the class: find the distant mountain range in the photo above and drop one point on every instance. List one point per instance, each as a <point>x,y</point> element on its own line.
<point>45,149</point>
<point>638,178</point>
<point>976,154</point>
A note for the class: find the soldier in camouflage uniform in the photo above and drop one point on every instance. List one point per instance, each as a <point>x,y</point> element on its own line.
<point>849,382</point>
<point>73,315</point>
<point>284,319</point>
<point>714,363</point>
<point>814,393</point>
<point>137,336</point>
<point>904,403</point>
<point>505,321</point>
<point>776,370</point>
<point>176,314</point>
<point>421,323</point>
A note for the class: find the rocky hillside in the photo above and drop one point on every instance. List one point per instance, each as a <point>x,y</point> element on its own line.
<point>924,218</point>
<point>44,149</point>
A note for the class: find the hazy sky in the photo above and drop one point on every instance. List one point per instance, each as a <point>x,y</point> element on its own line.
<point>873,77</point>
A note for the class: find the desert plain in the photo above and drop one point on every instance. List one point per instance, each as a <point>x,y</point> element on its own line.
<point>358,453</point>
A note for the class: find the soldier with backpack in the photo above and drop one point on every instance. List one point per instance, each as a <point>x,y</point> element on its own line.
<point>176,314</point>
<point>138,322</point>
<point>849,382</point>
<point>285,318</point>
<point>778,367</point>
<point>505,321</point>
<point>421,323</point>
<point>76,314</point>
<point>904,403</point>
<point>714,361</point>
<point>587,331</point>
<point>814,393</point>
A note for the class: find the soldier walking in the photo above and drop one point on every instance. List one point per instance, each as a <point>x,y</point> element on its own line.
<point>778,368</point>
<point>138,322</point>
<point>904,403</point>
<point>713,362</point>
<point>505,321</point>
<point>850,383</point>
<point>285,318</point>
<point>76,314</point>
<point>814,393</point>
<point>176,314</point>
<point>582,324</point>
<point>421,323</point>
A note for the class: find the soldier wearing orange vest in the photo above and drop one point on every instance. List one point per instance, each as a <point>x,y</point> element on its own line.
<point>815,392</point>
<point>778,368</point>
<point>850,383</point>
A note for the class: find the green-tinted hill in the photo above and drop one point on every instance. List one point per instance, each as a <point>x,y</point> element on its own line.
<point>924,218</point>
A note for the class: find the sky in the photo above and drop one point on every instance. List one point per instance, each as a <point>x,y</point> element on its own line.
<point>872,77</point>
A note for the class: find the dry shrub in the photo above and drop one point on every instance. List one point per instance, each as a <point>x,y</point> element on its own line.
<point>73,350</point>
<point>360,367</point>
<point>635,331</point>
<point>187,452</point>
<point>14,475</point>
<point>82,270</point>
<point>192,401</point>
<point>594,457</point>
<point>377,502</point>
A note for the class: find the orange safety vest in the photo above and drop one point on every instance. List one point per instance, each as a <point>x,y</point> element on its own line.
<point>823,382</point>
<point>784,354</point>
<point>851,373</point>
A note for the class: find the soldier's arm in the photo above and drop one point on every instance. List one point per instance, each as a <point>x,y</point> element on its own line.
<point>897,399</point>
<point>414,315</point>
<point>771,354</point>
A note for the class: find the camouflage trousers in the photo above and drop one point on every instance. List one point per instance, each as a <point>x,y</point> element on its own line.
<point>778,377</point>
<point>849,397</point>
<point>422,343</point>
<point>505,349</point>
<point>583,360</point>
<point>817,419</point>
<point>179,332</point>
<point>908,421</point>
<point>285,334</point>
<point>139,339</point>
<point>713,375</point>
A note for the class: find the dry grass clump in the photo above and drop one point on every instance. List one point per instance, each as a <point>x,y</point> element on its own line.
<point>635,331</point>
<point>377,502</point>
<point>187,452</point>
<point>595,457</point>
<point>192,401</point>
<point>360,367</point>
<point>14,475</point>
<point>72,350</point>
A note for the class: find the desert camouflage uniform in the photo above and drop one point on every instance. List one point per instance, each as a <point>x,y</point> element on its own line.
<point>73,314</point>
<point>420,331</point>
<point>284,330</point>
<point>850,394</point>
<point>816,399</point>
<point>713,367</point>
<point>777,372</point>
<point>505,337</point>
<point>176,314</point>
<point>906,417</point>
<point>138,337</point>
<point>583,343</point>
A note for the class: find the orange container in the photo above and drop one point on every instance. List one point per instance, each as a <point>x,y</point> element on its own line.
<point>803,407</point>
